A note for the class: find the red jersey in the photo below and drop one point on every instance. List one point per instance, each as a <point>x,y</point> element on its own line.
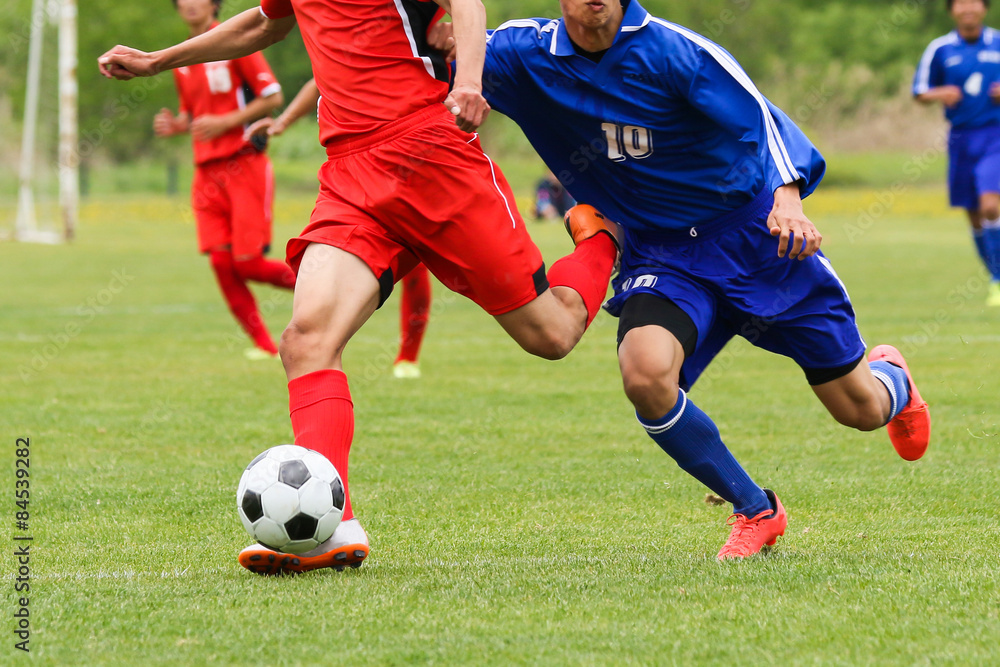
<point>219,88</point>
<point>371,59</point>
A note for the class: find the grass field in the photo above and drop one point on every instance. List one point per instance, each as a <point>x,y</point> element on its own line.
<point>518,514</point>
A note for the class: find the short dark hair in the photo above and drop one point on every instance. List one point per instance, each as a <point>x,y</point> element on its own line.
<point>949,3</point>
<point>218,6</point>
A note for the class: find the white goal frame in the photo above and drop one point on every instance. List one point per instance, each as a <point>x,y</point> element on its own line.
<point>26,224</point>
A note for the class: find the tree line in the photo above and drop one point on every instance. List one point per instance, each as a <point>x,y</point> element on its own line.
<point>840,53</point>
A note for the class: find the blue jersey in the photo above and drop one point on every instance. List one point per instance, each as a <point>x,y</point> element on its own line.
<point>665,132</point>
<point>973,67</point>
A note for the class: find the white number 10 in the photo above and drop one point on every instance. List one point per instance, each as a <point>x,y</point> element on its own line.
<point>629,140</point>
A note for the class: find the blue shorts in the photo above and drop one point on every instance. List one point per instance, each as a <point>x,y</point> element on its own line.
<point>973,164</point>
<point>730,281</point>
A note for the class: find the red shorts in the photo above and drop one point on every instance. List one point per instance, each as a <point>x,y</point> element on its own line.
<point>422,190</point>
<point>233,201</point>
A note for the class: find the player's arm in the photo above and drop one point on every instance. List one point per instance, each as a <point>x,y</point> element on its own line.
<point>166,124</point>
<point>303,103</point>
<point>208,127</point>
<point>929,83</point>
<point>466,99</point>
<point>947,95</point>
<point>243,34</point>
<point>721,90</point>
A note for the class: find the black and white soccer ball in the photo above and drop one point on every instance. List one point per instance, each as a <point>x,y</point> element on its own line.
<point>290,499</point>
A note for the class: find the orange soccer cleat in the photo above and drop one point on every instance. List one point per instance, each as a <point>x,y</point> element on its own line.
<point>347,548</point>
<point>583,221</point>
<point>750,535</point>
<point>910,430</point>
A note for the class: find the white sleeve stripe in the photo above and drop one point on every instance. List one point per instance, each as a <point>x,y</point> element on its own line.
<point>924,68</point>
<point>271,89</point>
<point>520,23</point>
<point>781,146</point>
<point>775,144</point>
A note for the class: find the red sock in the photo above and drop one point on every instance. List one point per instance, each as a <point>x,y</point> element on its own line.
<point>267,271</point>
<point>323,419</point>
<point>241,302</point>
<point>414,311</point>
<point>587,271</point>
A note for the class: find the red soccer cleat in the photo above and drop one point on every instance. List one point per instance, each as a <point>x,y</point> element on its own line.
<point>750,535</point>
<point>910,430</point>
<point>583,221</point>
<point>347,548</point>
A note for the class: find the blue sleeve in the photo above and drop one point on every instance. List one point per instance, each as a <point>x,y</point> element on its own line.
<point>724,92</point>
<point>930,71</point>
<point>500,70</point>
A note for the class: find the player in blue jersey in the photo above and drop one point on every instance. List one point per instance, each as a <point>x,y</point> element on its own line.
<point>961,70</point>
<point>660,129</point>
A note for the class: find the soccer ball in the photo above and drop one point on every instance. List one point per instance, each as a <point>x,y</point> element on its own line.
<point>290,499</point>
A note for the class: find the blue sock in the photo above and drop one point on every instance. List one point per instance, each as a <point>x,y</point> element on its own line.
<point>991,242</point>
<point>693,440</point>
<point>894,379</point>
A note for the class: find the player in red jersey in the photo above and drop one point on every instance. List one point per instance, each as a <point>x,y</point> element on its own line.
<point>405,182</point>
<point>415,300</point>
<point>233,189</point>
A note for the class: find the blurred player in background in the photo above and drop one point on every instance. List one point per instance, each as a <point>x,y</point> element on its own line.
<point>707,178</point>
<point>406,181</point>
<point>552,200</point>
<point>961,70</point>
<point>233,189</point>
<point>415,301</point>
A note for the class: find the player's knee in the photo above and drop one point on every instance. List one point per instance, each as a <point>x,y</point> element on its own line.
<point>245,269</point>
<point>653,391</point>
<point>990,211</point>
<point>221,261</point>
<point>551,345</point>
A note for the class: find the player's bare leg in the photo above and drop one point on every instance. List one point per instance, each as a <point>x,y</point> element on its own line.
<point>553,323</point>
<point>881,393</point>
<point>335,294</point>
<point>650,358</point>
<point>550,325</point>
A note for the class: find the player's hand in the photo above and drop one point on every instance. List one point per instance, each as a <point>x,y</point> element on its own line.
<point>163,123</point>
<point>126,63</point>
<point>995,92</point>
<point>441,37</point>
<point>467,104</point>
<point>265,127</point>
<point>789,223</point>
<point>208,127</point>
<point>950,96</point>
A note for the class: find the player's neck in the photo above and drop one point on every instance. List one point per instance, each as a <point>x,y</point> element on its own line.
<point>970,33</point>
<point>200,28</point>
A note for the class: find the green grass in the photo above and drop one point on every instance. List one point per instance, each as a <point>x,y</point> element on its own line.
<point>518,515</point>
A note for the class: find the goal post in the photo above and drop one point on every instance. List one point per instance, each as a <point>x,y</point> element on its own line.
<point>26,225</point>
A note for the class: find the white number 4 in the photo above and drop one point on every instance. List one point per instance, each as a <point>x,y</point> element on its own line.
<point>630,140</point>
